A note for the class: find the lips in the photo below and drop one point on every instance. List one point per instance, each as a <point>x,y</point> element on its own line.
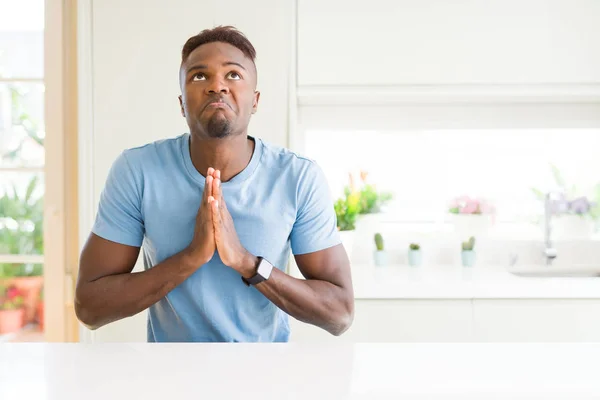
<point>217,103</point>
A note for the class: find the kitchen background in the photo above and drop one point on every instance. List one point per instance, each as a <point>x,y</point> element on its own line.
<point>434,121</point>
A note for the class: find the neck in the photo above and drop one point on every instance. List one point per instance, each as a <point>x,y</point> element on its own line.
<point>229,155</point>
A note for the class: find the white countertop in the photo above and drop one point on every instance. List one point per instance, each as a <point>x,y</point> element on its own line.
<point>457,282</point>
<point>299,371</point>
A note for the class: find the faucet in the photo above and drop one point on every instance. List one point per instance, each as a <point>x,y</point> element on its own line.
<point>549,251</point>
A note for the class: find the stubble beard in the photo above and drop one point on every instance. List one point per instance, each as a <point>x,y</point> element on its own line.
<point>219,126</point>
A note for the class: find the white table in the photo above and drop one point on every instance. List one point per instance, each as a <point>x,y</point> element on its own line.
<point>299,371</point>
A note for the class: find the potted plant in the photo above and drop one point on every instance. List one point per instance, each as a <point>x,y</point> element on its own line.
<point>380,255</point>
<point>471,215</point>
<point>468,252</point>
<point>21,232</point>
<point>371,203</point>
<point>414,255</point>
<point>346,210</point>
<point>11,309</point>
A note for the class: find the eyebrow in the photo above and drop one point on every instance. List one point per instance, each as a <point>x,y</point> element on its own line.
<point>203,66</point>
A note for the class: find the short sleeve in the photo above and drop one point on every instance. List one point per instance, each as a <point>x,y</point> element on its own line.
<point>119,218</point>
<point>315,227</point>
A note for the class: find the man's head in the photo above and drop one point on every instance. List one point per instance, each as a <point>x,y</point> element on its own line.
<point>218,82</point>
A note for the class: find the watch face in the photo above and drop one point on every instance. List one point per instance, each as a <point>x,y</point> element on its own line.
<point>264,268</point>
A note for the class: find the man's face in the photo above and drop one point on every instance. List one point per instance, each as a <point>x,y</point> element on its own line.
<point>218,90</point>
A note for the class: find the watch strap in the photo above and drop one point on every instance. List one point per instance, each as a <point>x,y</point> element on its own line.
<point>256,278</point>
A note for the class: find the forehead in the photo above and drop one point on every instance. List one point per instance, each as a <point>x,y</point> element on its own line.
<point>216,53</point>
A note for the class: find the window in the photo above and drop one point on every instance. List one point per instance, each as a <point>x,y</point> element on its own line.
<point>22,146</point>
<point>424,168</point>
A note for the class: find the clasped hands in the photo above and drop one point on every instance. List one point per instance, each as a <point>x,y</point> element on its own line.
<point>215,231</point>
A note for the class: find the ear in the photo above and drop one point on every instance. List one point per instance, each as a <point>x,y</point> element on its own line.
<point>255,101</point>
<point>181,105</point>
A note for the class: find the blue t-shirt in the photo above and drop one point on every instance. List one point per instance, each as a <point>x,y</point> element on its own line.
<point>280,201</point>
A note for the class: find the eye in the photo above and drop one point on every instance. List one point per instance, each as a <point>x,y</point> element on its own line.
<point>199,77</point>
<point>234,75</point>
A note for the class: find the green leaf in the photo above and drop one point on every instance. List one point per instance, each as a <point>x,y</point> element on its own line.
<point>30,188</point>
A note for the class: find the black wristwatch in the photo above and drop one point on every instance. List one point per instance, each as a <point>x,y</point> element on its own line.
<point>263,272</point>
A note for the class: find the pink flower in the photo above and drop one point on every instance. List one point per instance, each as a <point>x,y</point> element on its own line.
<point>12,292</point>
<point>470,207</point>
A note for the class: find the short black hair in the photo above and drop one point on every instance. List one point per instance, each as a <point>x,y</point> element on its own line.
<point>227,34</point>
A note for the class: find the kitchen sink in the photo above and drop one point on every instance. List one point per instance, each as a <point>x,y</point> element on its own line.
<point>556,270</point>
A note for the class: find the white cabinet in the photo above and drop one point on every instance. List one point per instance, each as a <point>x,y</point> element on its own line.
<point>494,320</point>
<point>548,320</point>
<point>399,321</point>
<point>433,42</point>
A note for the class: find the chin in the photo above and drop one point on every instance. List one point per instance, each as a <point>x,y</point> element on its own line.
<point>219,128</point>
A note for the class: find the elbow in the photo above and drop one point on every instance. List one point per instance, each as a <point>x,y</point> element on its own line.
<point>344,319</point>
<point>86,316</point>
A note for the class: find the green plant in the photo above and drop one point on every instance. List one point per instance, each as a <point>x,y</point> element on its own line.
<point>21,217</point>
<point>346,211</point>
<point>379,241</point>
<point>414,246</point>
<point>371,200</point>
<point>469,245</point>
<point>11,298</point>
<point>21,228</point>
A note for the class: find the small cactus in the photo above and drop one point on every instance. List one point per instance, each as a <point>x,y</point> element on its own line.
<point>469,245</point>
<point>414,246</point>
<point>379,241</point>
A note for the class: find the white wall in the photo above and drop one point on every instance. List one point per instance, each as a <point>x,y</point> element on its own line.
<point>130,68</point>
<point>400,42</point>
<point>536,51</point>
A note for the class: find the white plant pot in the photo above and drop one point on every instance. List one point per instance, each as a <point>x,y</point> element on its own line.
<point>468,258</point>
<point>348,241</point>
<point>415,257</point>
<point>571,227</point>
<point>467,225</point>
<point>367,225</point>
<point>380,258</point>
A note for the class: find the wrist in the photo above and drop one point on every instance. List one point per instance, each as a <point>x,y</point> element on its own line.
<point>247,267</point>
<point>191,260</point>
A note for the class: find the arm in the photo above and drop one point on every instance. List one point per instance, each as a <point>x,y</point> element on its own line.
<point>324,299</point>
<point>107,290</point>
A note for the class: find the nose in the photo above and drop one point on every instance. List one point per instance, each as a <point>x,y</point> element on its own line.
<point>217,85</point>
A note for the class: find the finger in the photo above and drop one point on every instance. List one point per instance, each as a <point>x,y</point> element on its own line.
<point>208,187</point>
<point>210,171</point>
<point>209,202</point>
<point>216,189</point>
<point>217,173</point>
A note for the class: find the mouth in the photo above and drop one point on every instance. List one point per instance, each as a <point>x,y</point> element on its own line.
<point>218,104</point>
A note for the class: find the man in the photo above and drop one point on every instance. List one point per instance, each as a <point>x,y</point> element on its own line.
<point>217,212</point>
